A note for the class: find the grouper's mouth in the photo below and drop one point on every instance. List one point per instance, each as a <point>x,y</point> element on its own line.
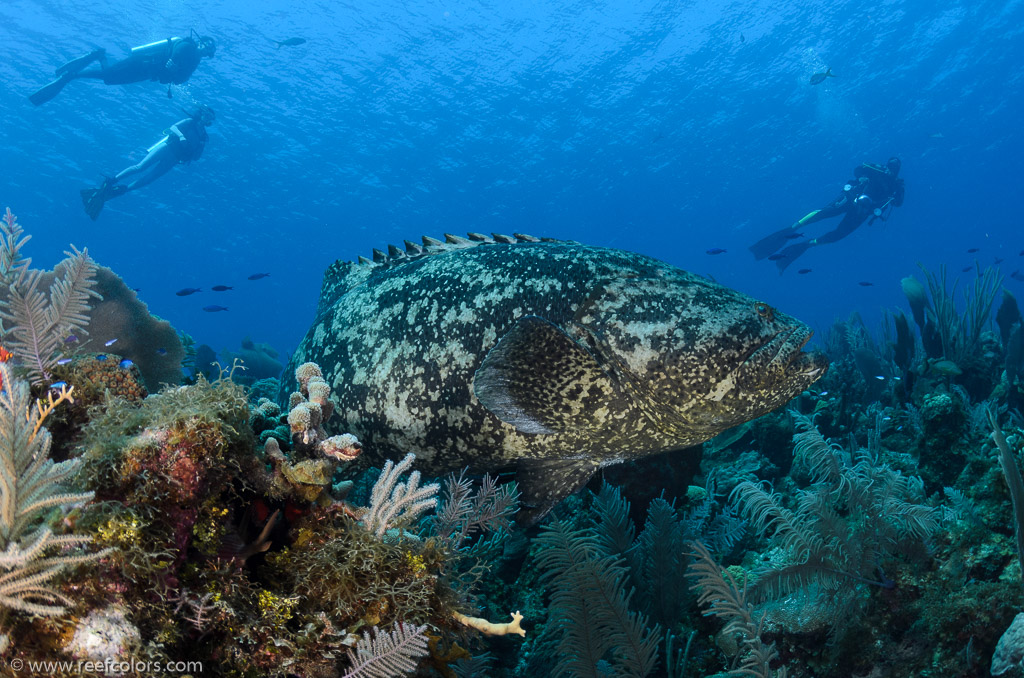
<point>783,357</point>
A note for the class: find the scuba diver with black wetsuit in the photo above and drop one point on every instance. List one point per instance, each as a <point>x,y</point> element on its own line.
<point>183,142</point>
<point>170,61</point>
<point>873,192</point>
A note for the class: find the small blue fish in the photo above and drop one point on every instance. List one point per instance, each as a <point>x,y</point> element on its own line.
<point>111,342</point>
<point>161,351</point>
<point>886,418</point>
<point>715,250</point>
<point>58,384</point>
<point>213,308</point>
<point>776,257</point>
<point>257,276</point>
<point>864,283</point>
<point>185,291</point>
<point>71,339</point>
<point>823,393</point>
<point>64,361</point>
<point>101,357</point>
<point>804,271</point>
<point>125,364</point>
<point>879,377</point>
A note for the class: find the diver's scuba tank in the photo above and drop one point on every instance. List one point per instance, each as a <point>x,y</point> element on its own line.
<point>155,52</point>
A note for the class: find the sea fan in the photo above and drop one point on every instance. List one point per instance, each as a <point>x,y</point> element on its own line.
<point>41,323</point>
<point>388,655</point>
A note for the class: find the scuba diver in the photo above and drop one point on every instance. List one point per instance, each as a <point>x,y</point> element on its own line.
<point>182,143</point>
<point>873,192</point>
<point>169,61</point>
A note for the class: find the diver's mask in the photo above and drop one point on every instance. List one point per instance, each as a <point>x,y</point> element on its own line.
<point>206,45</point>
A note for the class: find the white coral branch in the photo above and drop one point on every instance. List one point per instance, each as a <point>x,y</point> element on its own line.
<point>393,503</point>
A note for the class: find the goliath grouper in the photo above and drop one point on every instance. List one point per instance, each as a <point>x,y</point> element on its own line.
<point>548,356</point>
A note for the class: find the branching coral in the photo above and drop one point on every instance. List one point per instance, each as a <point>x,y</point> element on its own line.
<point>857,514</point>
<point>30,485</point>
<point>462,512</point>
<point>719,593</point>
<point>42,322</point>
<point>387,654</point>
<point>959,336</point>
<point>393,504</point>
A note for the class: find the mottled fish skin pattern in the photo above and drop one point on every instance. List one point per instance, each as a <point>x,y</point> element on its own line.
<point>605,355</point>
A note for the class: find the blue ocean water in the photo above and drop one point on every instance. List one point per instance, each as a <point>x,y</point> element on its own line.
<point>662,127</point>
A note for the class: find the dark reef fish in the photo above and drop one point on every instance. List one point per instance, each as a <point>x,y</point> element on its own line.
<point>290,42</point>
<point>221,288</point>
<point>715,250</point>
<point>819,78</point>
<point>257,276</point>
<point>185,291</point>
<point>213,308</point>
<point>548,356</point>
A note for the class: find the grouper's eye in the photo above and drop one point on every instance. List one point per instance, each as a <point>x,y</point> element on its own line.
<point>764,310</point>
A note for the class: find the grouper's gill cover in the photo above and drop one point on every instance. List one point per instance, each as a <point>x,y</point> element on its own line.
<point>549,356</point>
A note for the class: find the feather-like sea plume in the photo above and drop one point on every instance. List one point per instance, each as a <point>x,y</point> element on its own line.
<point>388,654</point>
<point>39,323</point>
<point>30,486</point>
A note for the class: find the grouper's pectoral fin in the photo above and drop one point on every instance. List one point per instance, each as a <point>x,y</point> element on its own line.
<point>545,482</point>
<point>540,380</point>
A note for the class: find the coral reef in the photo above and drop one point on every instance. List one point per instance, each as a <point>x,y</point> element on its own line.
<point>247,562</point>
<point>260,360</point>
<point>873,529</point>
<point>33,553</point>
<point>88,308</point>
<point>42,324</point>
<point>150,342</point>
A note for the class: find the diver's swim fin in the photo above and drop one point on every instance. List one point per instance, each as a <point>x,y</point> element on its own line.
<point>47,92</point>
<point>92,200</point>
<point>790,254</point>
<point>767,245</point>
<point>75,66</point>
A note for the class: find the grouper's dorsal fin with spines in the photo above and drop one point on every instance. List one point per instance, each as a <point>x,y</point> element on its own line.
<point>342,276</point>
